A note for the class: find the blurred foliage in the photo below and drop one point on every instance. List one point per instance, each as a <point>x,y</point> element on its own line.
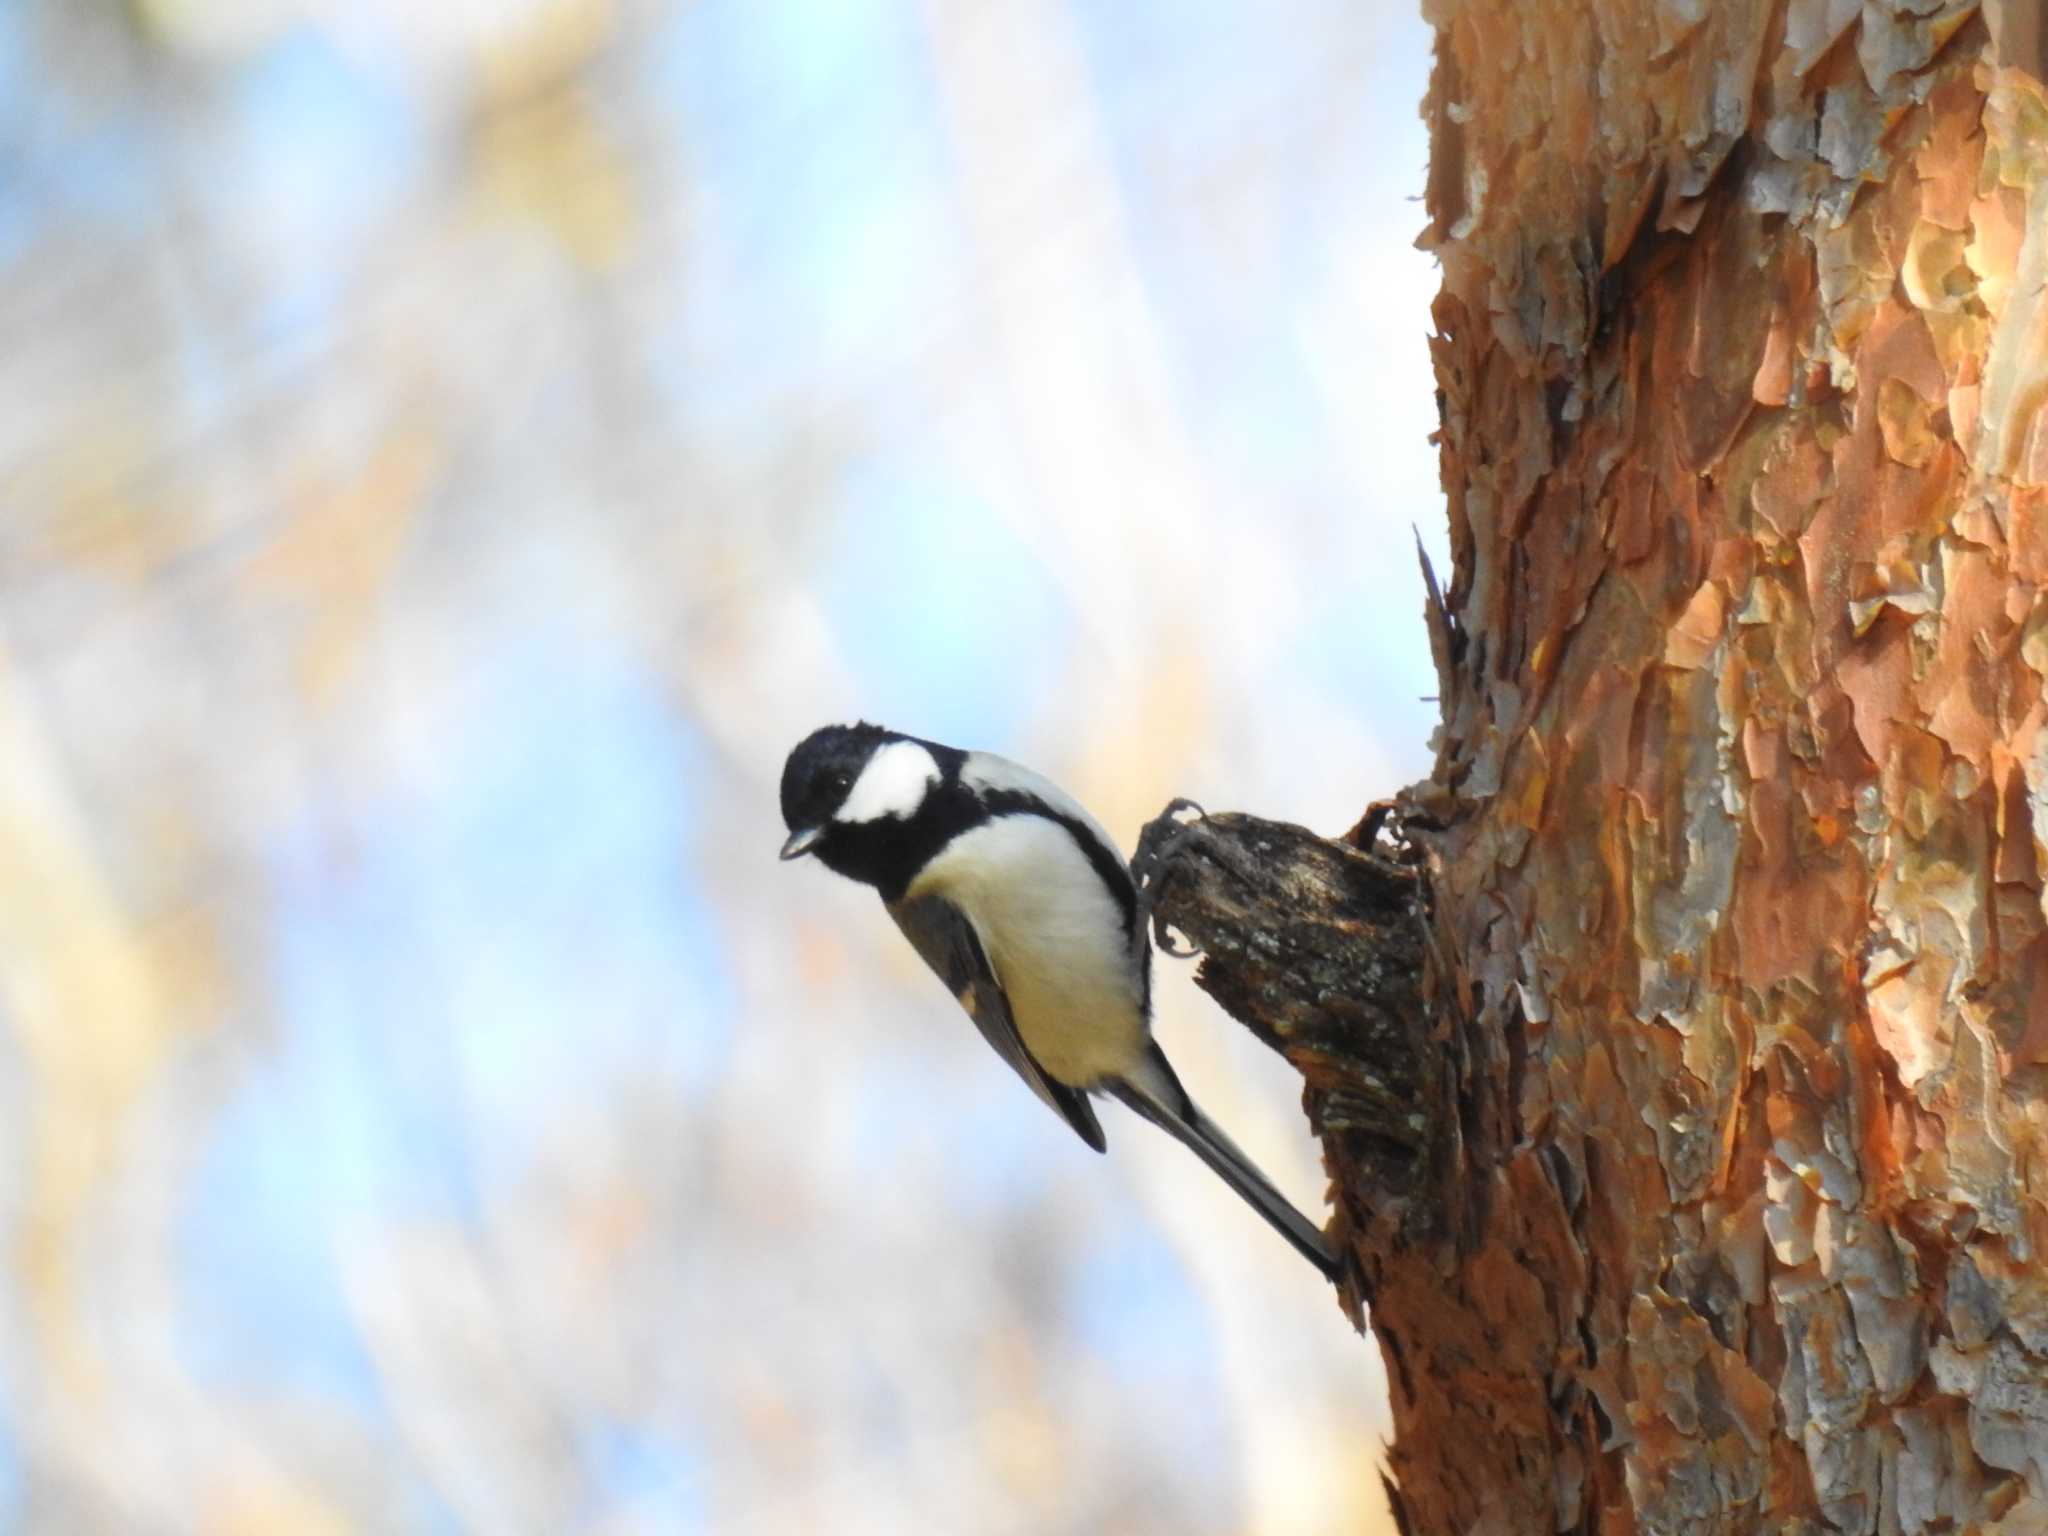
<point>449,454</point>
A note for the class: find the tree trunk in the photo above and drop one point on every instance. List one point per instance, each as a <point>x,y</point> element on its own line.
<point>1726,1203</point>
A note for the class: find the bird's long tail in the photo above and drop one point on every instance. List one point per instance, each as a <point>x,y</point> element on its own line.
<point>1156,1094</point>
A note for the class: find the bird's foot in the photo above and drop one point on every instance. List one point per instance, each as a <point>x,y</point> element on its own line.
<point>1162,838</point>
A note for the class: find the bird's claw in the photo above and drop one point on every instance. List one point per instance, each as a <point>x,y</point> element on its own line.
<point>1162,838</point>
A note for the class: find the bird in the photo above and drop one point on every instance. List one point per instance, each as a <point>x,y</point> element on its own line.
<point>1021,904</point>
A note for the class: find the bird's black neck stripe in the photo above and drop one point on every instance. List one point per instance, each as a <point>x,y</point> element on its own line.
<point>1108,867</point>
<point>889,853</point>
<point>893,857</point>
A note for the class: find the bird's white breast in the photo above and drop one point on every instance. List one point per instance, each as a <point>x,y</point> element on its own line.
<point>1056,938</point>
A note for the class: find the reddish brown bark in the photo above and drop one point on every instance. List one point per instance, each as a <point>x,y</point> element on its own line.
<point>1735,1214</point>
<point>1744,357</point>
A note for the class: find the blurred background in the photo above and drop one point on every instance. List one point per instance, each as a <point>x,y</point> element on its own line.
<point>449,453</point>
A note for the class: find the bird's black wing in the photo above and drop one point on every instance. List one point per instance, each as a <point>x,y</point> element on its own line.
<point>941,933</point>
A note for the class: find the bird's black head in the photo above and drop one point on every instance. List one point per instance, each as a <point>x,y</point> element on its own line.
<point>820,773</point>
<point>872,804</point>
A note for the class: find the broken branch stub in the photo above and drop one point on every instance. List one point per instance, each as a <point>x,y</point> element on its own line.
<point>1317,947</point>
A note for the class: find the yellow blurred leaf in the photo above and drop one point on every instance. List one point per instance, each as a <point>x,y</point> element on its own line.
<point>334,558</point>
<point>540,152</point>
<point>261,1505</point>
<point>88,1011</point>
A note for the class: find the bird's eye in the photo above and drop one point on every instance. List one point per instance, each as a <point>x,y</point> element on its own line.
<point>840,783</point>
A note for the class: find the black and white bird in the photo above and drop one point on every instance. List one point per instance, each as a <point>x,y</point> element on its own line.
<point>1020,902</point>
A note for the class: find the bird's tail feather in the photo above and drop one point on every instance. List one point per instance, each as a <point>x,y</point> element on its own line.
<point>1158,1096</point>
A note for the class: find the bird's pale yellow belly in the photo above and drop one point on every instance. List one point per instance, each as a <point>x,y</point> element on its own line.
<point>1056,940</point>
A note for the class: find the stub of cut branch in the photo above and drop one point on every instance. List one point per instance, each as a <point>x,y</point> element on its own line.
<point>1316,946</point>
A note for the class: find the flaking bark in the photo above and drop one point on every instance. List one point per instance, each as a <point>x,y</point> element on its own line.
<point>1725,914</point>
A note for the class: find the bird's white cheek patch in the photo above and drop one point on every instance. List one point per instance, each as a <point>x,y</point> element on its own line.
<point>893,783</point>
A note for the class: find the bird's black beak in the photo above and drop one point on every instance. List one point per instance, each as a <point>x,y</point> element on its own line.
<point>801,843</point>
